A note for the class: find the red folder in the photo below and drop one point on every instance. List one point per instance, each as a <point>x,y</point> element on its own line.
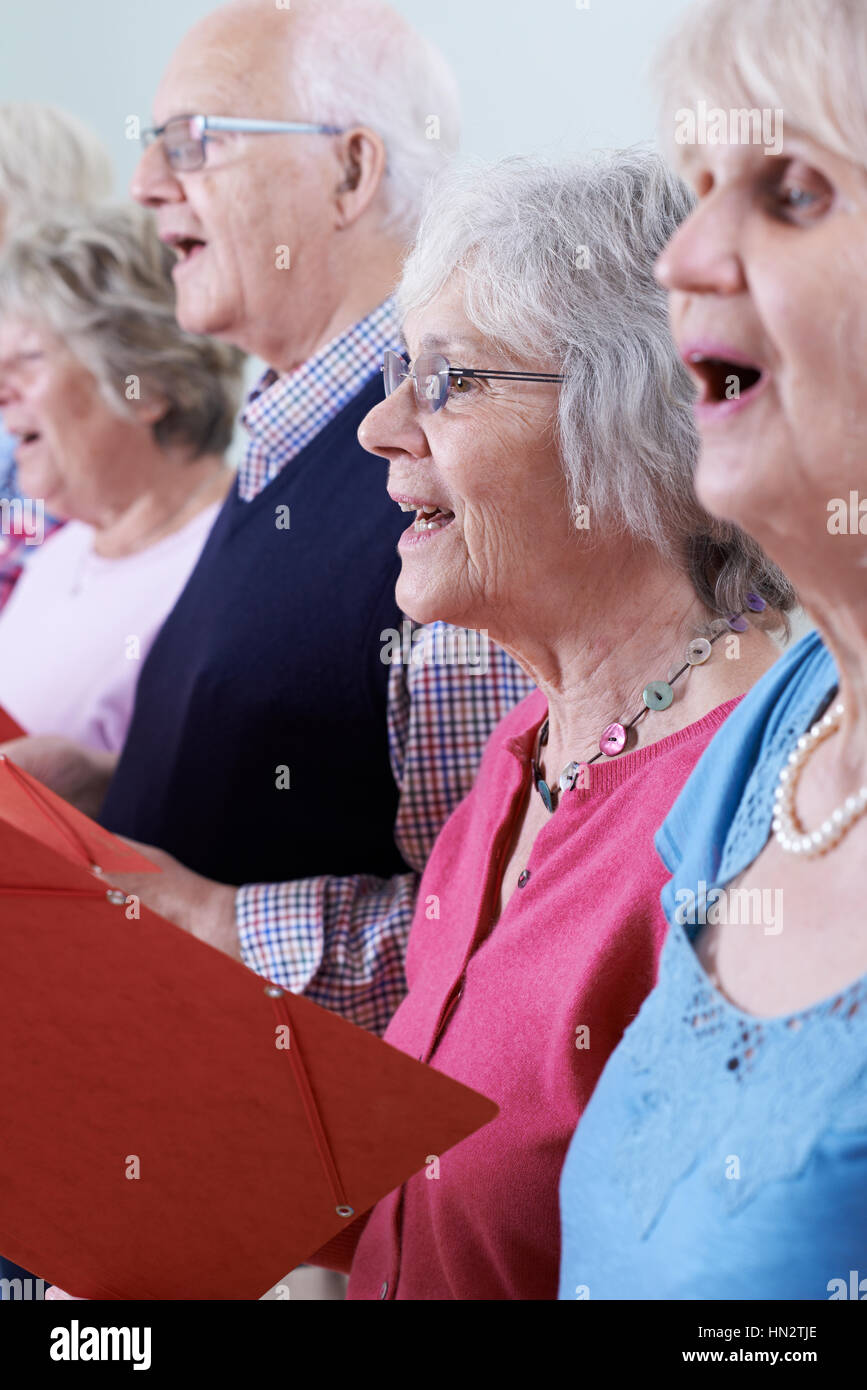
<point>171,1125</point>
<point>9,728</point>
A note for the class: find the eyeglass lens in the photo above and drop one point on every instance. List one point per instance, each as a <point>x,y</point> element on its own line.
<point>430,378</point>
<point>183,143</point>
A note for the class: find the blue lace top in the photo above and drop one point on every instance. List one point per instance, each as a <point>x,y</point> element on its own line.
<point>722,1155</point>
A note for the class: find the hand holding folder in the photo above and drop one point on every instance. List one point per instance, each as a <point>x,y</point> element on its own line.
<point>173,1125</point>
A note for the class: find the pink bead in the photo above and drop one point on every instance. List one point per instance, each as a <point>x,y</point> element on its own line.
<point>613,740</point>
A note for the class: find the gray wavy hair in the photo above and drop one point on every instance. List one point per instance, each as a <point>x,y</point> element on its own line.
<point>101,281</point>
<point>48,158</point>
<point>557,263</point>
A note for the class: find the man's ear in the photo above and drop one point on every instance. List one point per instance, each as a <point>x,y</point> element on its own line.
<point>364,161</point>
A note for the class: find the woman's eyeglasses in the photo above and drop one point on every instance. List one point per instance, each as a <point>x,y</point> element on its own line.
<point>434,378</point>
<point>184,137</point>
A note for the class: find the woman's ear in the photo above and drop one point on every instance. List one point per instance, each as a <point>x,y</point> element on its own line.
<point>149,410</point>
<point>363,158</point>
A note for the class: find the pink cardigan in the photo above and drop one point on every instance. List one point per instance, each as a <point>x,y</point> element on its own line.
<point>528,1014</point>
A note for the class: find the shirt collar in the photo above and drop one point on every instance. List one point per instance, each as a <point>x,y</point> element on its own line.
<point>341,368</point>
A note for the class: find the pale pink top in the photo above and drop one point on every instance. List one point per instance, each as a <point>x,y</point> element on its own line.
<point>78,627</point>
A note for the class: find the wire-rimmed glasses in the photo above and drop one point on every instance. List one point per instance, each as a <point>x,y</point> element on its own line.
<point>433,377</point>
<point>185,137</point>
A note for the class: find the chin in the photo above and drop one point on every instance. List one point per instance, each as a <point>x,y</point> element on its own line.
<point>420,604</point>
<point>205,319</point>
<point>743,487</point>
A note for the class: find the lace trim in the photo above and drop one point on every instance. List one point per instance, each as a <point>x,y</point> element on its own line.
<point>775,1086</point>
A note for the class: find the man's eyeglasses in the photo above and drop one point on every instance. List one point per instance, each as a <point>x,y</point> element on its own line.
<point>184,137</point>
<point>434,378</point>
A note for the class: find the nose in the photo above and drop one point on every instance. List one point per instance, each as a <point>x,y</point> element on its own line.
<point>391,430</point>
<point>7,390</point>
<point>704,256</point>
<point>153,182</point>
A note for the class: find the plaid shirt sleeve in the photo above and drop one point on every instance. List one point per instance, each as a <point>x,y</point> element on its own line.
<point>342,940</point>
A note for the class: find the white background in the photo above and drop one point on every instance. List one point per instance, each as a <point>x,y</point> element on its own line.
<point>535,75</point>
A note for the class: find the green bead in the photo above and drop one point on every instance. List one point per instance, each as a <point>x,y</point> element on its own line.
<point>657,695</point>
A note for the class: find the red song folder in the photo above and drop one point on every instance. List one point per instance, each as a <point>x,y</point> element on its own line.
<point>9,728</point>
<point>174,1127</point>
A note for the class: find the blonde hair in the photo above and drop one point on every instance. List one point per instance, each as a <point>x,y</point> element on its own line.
<point>48,159</point>
<point>807,58</point>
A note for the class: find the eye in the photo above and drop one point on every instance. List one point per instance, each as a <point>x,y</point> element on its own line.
<point>803,195</point>
<point>461,385</point>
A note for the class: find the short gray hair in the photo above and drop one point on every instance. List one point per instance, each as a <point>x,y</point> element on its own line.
<point>101,281</point>
<point>47,159</point>
<point>396,83</point>
<point>557,265</point>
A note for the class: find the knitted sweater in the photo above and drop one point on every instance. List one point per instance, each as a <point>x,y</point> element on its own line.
<point>527,1012</point>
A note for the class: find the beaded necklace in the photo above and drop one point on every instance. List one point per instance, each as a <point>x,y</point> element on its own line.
<point>658,695</point>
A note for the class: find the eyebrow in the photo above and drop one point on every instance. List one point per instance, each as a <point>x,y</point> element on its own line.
<point>434,342</point>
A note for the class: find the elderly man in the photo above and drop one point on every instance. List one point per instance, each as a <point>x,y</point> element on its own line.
<point>292,775</point>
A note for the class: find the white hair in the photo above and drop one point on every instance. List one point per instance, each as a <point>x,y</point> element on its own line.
<point>47,159</point>
<point>807,58</point>
<point>556,265</point>
<point>357,62</point>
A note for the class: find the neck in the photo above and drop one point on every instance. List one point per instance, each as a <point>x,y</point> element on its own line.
<point>633,626</point>
<point>842,623</point>
<point>176,490</point>
<point>375,268</point>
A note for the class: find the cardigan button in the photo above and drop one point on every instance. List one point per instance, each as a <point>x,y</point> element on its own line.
<point>524,878</point>
<point>383,1292</point>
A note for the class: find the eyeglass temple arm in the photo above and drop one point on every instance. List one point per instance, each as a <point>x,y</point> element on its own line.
<point>265,127</point>
<point>506,376</point>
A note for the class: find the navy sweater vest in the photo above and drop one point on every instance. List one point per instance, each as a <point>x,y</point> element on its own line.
<point>267,672</point>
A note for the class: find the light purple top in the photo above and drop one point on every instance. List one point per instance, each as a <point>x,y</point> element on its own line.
<point>78,626</point>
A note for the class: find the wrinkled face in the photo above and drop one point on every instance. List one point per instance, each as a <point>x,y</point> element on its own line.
<point>255,195</point>
<point>480,480</point>
<point>769,309</point>
<point>69,441</point>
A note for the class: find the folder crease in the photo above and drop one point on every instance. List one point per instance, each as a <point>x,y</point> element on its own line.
<point>66,831</point>
<point>308,1100</point>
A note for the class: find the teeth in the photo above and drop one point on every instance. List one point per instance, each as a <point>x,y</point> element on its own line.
<point>429,516</point>
<point>424,509</point>
<point>422,525</point>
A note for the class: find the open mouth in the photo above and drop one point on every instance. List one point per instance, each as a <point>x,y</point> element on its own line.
<point>429,516</point>
<point>186,248</point>
<point>723,379</point>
